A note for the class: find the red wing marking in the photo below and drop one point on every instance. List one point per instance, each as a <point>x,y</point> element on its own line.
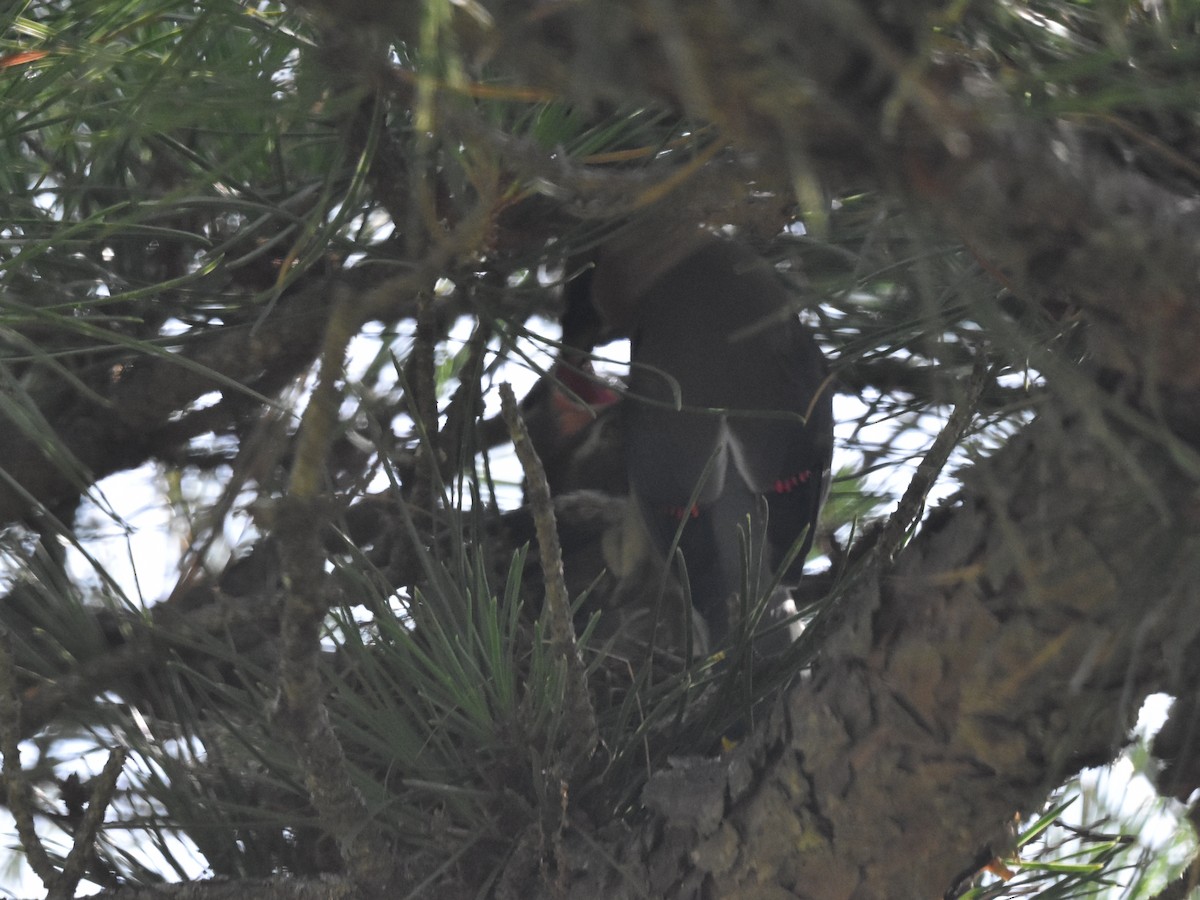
<point>789,484</point>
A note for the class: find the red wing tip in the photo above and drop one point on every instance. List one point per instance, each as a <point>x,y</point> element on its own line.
<point>792,482</point>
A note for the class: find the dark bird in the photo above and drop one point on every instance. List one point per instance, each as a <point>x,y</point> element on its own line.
<point>728,419</point>
<point>571,411</point>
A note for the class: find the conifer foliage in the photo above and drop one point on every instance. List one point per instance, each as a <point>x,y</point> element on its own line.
<point>323,575</point>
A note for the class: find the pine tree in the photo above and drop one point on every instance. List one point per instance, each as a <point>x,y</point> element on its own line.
<point>263,272</point>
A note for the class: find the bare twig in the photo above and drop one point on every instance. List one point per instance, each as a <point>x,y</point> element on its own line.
<point>908,511</point>
<point>19,793</point>
<point>83,849</point>
<point>581,729</point>
<point>423,403</point>
<point>465,406</point>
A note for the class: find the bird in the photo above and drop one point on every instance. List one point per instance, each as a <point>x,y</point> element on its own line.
<point>727,420</point>
<point>571,412</point>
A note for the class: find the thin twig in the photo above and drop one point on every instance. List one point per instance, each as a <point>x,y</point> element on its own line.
<point>466,404</point>
<point>19,792</point>
<point>423,404</point>
<point>581,725</point>
<point>83,848</point>
<point>908,511</point>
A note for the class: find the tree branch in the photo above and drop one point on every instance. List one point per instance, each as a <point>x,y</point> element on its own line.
<point>581,738</point>
<point>301,706</point>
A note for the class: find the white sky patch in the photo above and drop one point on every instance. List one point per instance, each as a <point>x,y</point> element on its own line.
<point>138,549</point>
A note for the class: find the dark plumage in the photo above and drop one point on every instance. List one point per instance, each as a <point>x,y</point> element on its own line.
<point>571,411</point>
<point>728,420</point>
